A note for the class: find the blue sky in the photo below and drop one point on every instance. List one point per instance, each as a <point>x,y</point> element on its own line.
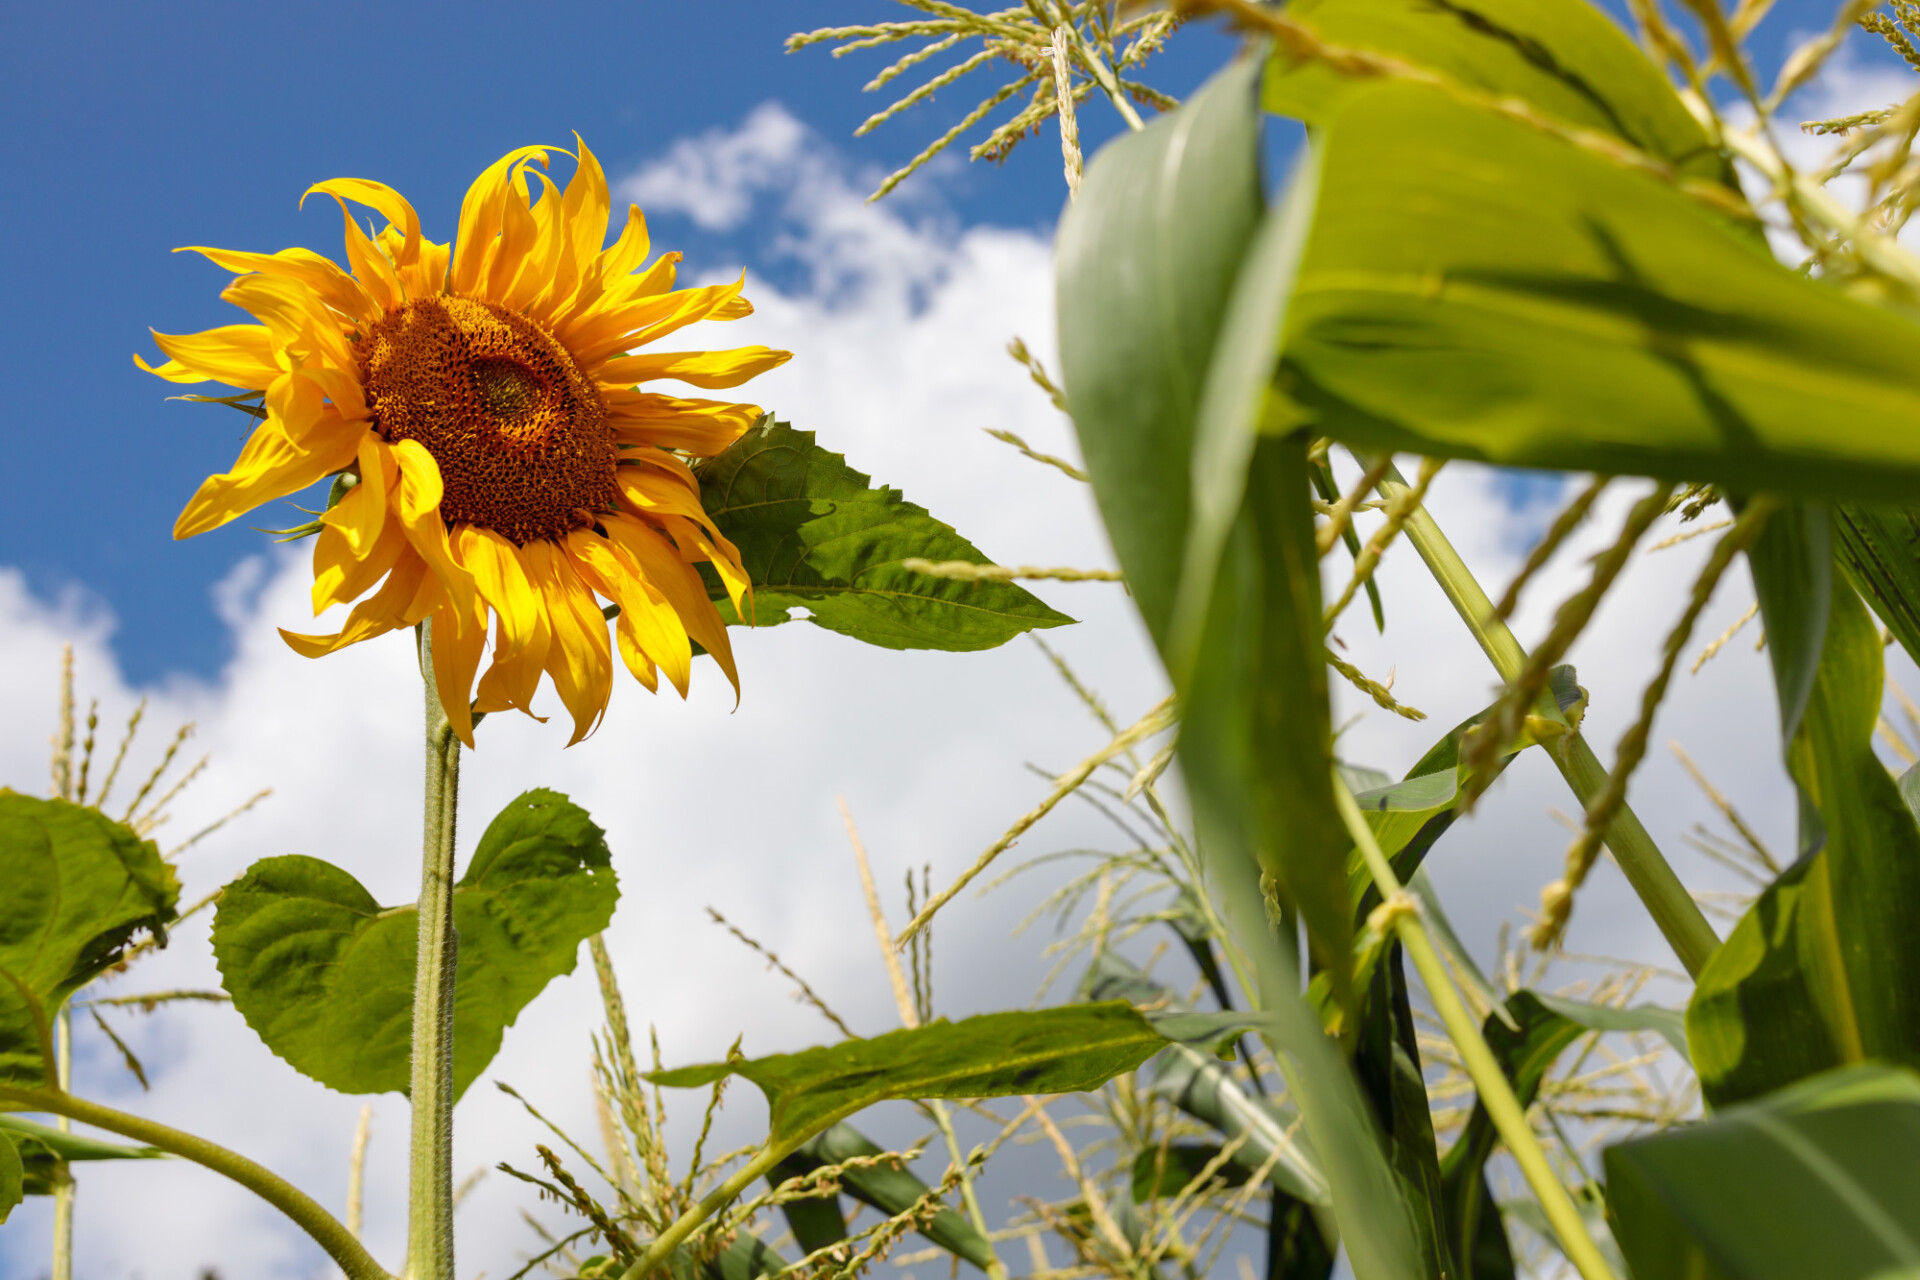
<point>135,129</point>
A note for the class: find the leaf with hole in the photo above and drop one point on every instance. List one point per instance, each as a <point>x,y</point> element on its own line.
<point>79,886</point>
<point>324,974</point>
<point>815,534</point>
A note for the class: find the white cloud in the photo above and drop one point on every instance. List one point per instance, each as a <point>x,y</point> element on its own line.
<point>898,338</point>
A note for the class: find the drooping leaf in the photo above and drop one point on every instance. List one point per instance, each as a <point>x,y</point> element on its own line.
<point>1792,566</point>
<point>1479,288</point>
<point>1824,969</point>
<point>42,1148</point>
<point>77,887</point>
<point>1817,1179</point>
<point>324,974</point>
<point>1148,264</point>
<point>13,1177</point>
<point>815,534</point>
<point>1565,58</point>
<point>1068,1049</point>
<point>892,1190</point>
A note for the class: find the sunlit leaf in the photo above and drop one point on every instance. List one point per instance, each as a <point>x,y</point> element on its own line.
<point>324,974</point>
<point>1479,288</point>
<point>816,535</point>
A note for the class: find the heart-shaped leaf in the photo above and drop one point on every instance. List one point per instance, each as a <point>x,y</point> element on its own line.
<point>324,974</point>
<point>77,886</point>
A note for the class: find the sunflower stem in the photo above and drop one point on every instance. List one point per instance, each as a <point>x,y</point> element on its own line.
<point>430,1195</point>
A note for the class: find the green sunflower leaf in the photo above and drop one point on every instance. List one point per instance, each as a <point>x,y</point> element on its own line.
<point>324,974</point>
<point>816,535</point>
<point>1069,1049</point>
<point>13,1177</point>
<point>77,887</point>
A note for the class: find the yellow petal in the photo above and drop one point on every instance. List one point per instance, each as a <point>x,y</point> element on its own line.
<point>500,576</point>
<point>240,355</point>
<point>339,575</point>
<point>390,204</point>
<point>329,283</point>
<point>458,641</point>
<point>702,428</point>
<point>370,266</point>
<point>419,507</point>
<point>580,659</point>
<point>480,215</point>
<point>648,320</point>
<point>612,571</point>
<point>269,467</point>
<point>588,204</point>
<point>681,585</point>
<point>710,369</point>
<point>382,612</point>
<point>301,325</point>
<point>519,230</point>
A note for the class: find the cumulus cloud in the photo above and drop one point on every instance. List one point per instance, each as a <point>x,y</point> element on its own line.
<point>898,338</point>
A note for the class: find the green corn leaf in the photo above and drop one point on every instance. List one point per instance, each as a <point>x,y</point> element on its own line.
<point>77,887</point>
<point>1387,1058</point>
<point>1878,546</point>
<point>1069,1049</point>
<point>890,1190</point>
<point>324,974</point>
<point>815,534</point>
<point>1214,531</point>
<point>1478,288</point>
<point>1815,1180</point>
<point>1565,58</point>
<point>1824,970</point>
<point>1161,1173</point>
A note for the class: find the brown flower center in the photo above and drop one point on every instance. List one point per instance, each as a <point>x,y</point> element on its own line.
<point>518,431</point>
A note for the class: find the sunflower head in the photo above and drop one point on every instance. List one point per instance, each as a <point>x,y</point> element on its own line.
<point>504,469</point>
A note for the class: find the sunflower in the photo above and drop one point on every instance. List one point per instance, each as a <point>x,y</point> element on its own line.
<point>498,469</point>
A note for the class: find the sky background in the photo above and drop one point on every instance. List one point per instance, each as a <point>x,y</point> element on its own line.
<point>135,131</point>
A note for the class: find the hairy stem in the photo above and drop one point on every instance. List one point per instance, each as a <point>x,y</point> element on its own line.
<point>1673,909</point>
<point>1496,1093</point>
<point>326,1230</point>
<point>430,1191</point>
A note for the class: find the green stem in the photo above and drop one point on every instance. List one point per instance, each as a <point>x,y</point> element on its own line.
<point>63,1183</point>
<point>1496,1093</point>
<point>325,1229</point>
<point>1673,909</point>
<point>430,1190</point>
<point>715,1200</point>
